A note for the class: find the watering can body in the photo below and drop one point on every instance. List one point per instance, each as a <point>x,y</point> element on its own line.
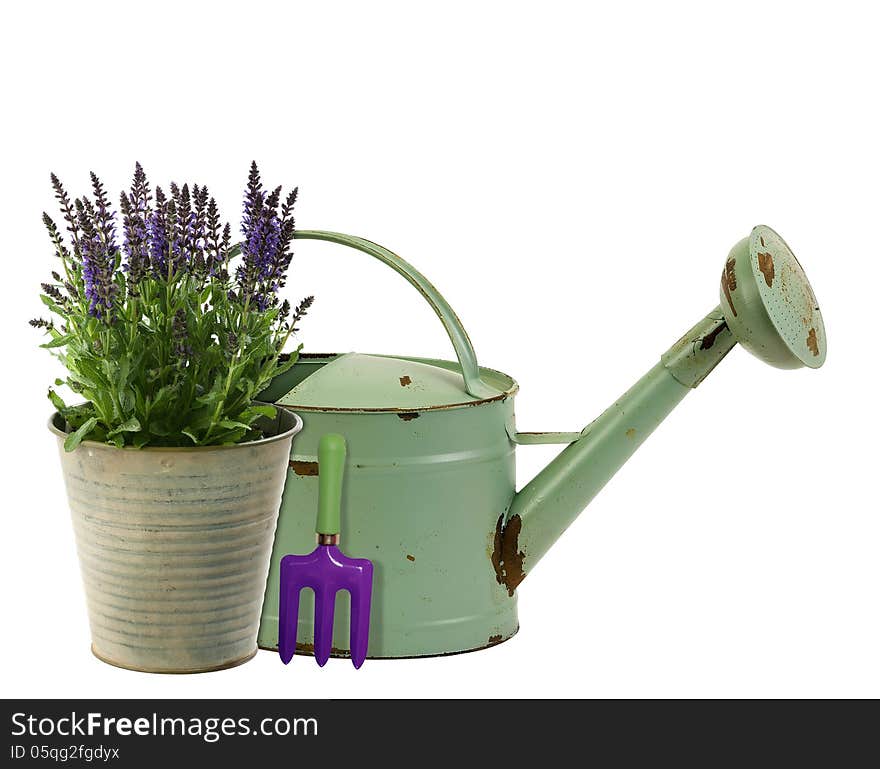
<point>429,477</point>
<point>430,483</point>
<point>424,491</point>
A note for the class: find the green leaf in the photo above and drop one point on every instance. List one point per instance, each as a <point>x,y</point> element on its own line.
<point>58,341</point>
<point>90,374</point>
<point>229,437</point>
<point>131,425</point>
<point>126,401</point>
<point>75,438</point>
<point>163,397</point>
<point>57,401</point>
<point>288,364</point>
<point>209,398</point>
<point>190,433</point>
<point>78,380</point>
<point>84,410</point>
<point>161,427</point>
<point>78,415</point>
<point>122,373</point>
<point>50,303</point>
<point>231,424</point>
<point>200,419</point>
<point>258,410</point>
<point>60,382</point>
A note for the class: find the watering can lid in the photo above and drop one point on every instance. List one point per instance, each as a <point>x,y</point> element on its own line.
<point>376,382</point>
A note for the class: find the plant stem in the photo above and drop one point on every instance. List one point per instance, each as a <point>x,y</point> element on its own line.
<point>222,402</point>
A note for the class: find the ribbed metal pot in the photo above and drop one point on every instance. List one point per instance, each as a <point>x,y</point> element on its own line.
<point>174,546</point>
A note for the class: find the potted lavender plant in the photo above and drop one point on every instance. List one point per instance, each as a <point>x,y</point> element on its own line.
<point>173,471</point>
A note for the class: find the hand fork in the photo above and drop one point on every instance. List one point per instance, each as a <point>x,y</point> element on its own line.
<point>326,570</point>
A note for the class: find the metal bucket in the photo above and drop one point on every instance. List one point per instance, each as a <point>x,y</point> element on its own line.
<point>174,546</point>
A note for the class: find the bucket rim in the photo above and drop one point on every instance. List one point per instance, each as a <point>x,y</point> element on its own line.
<point>284,417</point>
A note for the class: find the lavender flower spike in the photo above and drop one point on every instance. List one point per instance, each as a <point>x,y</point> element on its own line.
<point>135,207</point>
<point>97,275</point>
<point>265,248</point>
<point>157,236</point>
<point>99,254</point>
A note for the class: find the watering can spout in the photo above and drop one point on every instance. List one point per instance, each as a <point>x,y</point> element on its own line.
<point>767,305</point>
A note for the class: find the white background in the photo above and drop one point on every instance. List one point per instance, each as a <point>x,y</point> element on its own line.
<point>571,176</point>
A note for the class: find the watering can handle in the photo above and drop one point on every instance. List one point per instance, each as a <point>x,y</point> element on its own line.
<point>464,350</point>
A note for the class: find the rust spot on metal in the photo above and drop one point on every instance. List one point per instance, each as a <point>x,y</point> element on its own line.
<point>813,342</point>
<point>512,557</point>
<point>507,558</point>
<point>407,416</point>
<point>631,433</point>
<point>709,339</point>
<point>410,557</point>
<point>728,282</point>
<point>305,648</point>
<point>405,380</point>
<point>730,270</point>
<point>496,550</point>
<point>765,265</point>
<point>310,356</point>
<point>494,639</point>
<point>304,468</point>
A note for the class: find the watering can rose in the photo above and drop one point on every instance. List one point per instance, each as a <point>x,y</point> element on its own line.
<point>169,336</point>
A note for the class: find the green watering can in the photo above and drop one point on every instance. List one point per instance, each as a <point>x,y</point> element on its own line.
<point>430,495</point>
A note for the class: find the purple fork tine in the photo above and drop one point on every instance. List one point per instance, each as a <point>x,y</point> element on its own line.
<point>288,610</point>
<point>359,624</point>
<point>326,570</point>
<point>325,603</point>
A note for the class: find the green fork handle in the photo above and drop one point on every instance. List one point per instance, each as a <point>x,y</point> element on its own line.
<point>331,465</point>
<point>464,350</point>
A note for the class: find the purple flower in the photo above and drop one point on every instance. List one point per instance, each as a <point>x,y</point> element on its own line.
<point>136,248</point>
<point>189,244</point>
<point>103,217</point>
<point>216,245</point>
<point>98,272</point>
<point>182,223</point>
<point>179,334</point>
<point>157,239</point>
<point>67,210</point>
<point>199,228</point>
<point>162,236</point>
<point>100,253</point>
<point>265,247</point>
<point>165,236</point>
<point>135,207</point>
<point>260,251</point>
<point>175,230</point>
